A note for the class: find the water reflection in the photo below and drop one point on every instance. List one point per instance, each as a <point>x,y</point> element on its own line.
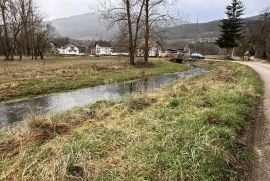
<point>17,111</point>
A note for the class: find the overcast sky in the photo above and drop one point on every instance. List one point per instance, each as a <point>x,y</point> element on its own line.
<point>203,10</point>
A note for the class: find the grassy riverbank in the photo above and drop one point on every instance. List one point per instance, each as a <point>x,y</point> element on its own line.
<point>188,131</point>
<point>33,78</point>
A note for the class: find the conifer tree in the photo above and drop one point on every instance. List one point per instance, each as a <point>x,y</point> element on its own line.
<point>231,28</point>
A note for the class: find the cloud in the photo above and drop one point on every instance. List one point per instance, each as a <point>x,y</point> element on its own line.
<point>203,10</point>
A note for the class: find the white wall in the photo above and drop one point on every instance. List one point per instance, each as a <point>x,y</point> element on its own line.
<point>103,50</point>
<point>120,54</point>
<point>153,52</point>
<point>162,53</point>
<point>70,50</point>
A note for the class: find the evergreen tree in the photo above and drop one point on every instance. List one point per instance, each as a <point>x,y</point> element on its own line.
<point>231,28</point>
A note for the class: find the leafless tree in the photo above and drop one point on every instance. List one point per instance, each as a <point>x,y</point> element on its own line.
<point>23,29</point>
<point>127,16</point>
<point>265,30</point>
<point>15,24</point>
<point>42,36</point>
<point>157,18</point>
<point>4,13</point>
<point>258,34</point>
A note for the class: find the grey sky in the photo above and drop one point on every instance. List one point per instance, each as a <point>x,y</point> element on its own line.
<point>204,10</point>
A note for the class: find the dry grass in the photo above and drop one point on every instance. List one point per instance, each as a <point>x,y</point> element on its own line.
<point>32,78</point>
<point>140,102</point>
<point>170,134</point>
<point>45,129</point>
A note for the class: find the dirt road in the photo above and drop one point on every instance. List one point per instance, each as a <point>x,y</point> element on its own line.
<point>262,128</point>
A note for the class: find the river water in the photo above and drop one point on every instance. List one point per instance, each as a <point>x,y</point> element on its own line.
<point>18,110</point>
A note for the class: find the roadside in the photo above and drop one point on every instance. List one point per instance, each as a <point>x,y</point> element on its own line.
<point>34,78</point>
<point>187,131</point>
<point>262,129</point>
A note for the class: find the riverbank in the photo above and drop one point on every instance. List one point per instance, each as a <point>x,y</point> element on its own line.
<point>21,79</point>
<point>188,131</point>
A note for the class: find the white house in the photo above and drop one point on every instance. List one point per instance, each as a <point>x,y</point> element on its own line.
<point>103,48</point>
<point>70,49</point>
<point>154,49</point>
<point>171,49</point>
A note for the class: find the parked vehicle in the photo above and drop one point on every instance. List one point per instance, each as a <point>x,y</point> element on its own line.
<point>197,56</point>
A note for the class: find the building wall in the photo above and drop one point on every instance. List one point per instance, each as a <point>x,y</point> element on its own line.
<point>70,50</point>
<point>153,52</point>
<point>103,50</point>
<point>163,53</point>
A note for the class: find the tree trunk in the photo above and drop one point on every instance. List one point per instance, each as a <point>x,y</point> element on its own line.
<point>227,53</point>
<point>32,55</point>
<point>36,55</point>
<point>147,32</point>
<point>12,54</point>
<point>7,46</point>
<point>41,56</point>
<point>130,32</point>
<point>137,30</point>
<point>20,55</point>
<point>232,53</point>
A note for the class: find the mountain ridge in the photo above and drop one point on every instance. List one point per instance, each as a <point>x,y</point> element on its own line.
<point>91,26</point>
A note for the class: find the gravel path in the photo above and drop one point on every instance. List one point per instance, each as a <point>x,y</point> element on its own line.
<point>262,128</point>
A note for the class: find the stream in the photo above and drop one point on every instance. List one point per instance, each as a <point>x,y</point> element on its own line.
<point>16,111</point>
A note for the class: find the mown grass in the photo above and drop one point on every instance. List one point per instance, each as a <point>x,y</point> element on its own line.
<point>34,78</point>
<point>188,131</point>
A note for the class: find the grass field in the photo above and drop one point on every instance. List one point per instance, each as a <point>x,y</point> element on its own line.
<point>188,131</point>
<point>57,74</point>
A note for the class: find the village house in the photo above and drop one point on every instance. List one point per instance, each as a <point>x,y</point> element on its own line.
<point>69,49</point>
<point>102,48</point>
<point>169,49</point>
<point>172,48</point>
<point>154,48</point>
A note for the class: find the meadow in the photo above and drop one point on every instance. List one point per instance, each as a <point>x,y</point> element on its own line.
<point>187,131</point>
<point>30,78</point>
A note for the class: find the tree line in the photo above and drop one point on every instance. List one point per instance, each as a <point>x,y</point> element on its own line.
<point>23,30</point>
<point>257,36</point>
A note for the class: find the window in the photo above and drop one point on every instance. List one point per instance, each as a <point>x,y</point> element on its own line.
<point>72,48</point>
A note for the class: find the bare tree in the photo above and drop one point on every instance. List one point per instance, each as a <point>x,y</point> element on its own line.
<point>23,29</point>
<point>15,23</point>
<point>28,10</point>
<point>156,19</point>
<point>43,36</point>
<point>127,16</point>
<point>258,34</point>
<point>4,14</point>
<point>265,30</point>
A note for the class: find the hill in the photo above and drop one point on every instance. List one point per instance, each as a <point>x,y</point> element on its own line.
<point>194,30</point>
<point>86,27</point>
<point>201,30</point>
<point>82,27</point>
<point>91,26</point>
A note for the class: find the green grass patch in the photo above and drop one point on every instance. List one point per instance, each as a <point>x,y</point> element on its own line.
<point>188,131</point>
